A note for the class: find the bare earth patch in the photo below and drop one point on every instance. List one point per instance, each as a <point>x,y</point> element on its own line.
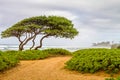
<point>47,69</point>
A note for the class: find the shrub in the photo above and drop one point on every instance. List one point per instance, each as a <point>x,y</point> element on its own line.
<point>109,79</point>
<point>118,78</point>
<point>7,60</point>
<point>57,51</point>
<point>118,47</point>
<point>11,58</point>
<point>92,60</point>
<point>10,51</point>
<point>32,55</point>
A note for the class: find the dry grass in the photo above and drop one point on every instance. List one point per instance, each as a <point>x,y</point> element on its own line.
<point>47,69</point>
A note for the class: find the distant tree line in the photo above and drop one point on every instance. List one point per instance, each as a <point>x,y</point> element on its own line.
<point>107,43</point>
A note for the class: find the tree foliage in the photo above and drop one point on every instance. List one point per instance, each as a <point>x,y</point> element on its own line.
<point>29,28</point>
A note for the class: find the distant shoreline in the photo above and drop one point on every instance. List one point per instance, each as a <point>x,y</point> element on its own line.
<point>70,48</point>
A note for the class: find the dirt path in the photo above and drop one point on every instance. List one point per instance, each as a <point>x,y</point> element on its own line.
<point>47,69</point>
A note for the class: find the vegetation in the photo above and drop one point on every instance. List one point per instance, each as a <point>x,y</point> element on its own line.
<point>57,51</point>
<point>32,55</point>
<point>93,60</point>
<point>11,58</point>
<point>40,54</point>
<point>118,78</point>
<point>28,29</point>
<point>115,46</point>
<point>7,60</point>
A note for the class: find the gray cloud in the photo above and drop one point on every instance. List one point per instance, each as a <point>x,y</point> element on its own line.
<point>91,17</point>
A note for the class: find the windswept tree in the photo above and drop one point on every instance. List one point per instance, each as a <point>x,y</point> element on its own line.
<point>47,26</point>
<point>58,27</point>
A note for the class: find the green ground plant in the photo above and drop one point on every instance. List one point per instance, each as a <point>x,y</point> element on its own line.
<point>118,78</point>
<point>32,55</point>
<point>57,51</point>
<point>93,60</point>
<point>10,58</point>
<point>41,54</point>
<point>7,60</point>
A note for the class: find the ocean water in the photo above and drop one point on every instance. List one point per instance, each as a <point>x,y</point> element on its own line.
<point>5,47</point>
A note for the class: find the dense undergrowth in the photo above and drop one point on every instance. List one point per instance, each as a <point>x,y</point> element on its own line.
<point>7,60</point>
<point>11,58</point>
<point>118,78</point>
<point>57,52</point>
<point>93,60</point>
<point>86,60</point>
<point>31,55</point>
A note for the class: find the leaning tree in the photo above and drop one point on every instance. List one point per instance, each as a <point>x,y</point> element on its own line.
<point>58,27</point>
<point>28,29</point>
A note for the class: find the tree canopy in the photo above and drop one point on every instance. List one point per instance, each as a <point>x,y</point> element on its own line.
<point>29,28</point>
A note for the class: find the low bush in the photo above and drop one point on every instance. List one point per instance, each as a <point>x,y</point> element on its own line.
<point>109,79</point>
<point>118,78</point>
<point>57,51</point>
<point>7,60</point>
<point>32,55</point>
<point>93,60</point>
<point>11,58</point>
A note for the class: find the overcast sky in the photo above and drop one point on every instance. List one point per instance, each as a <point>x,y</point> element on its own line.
<point>96,20</point>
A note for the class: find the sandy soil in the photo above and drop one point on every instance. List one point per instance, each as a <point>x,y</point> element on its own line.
<point>47,69</point>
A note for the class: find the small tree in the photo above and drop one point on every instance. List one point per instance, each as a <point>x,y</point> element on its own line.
<point>29,28</point>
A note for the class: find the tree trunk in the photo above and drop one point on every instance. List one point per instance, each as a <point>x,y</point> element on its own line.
<point>21,42</point>
<point>36,48</point>
<point>25,41</point>
<point>21,48</point>
<point>33,43</point>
